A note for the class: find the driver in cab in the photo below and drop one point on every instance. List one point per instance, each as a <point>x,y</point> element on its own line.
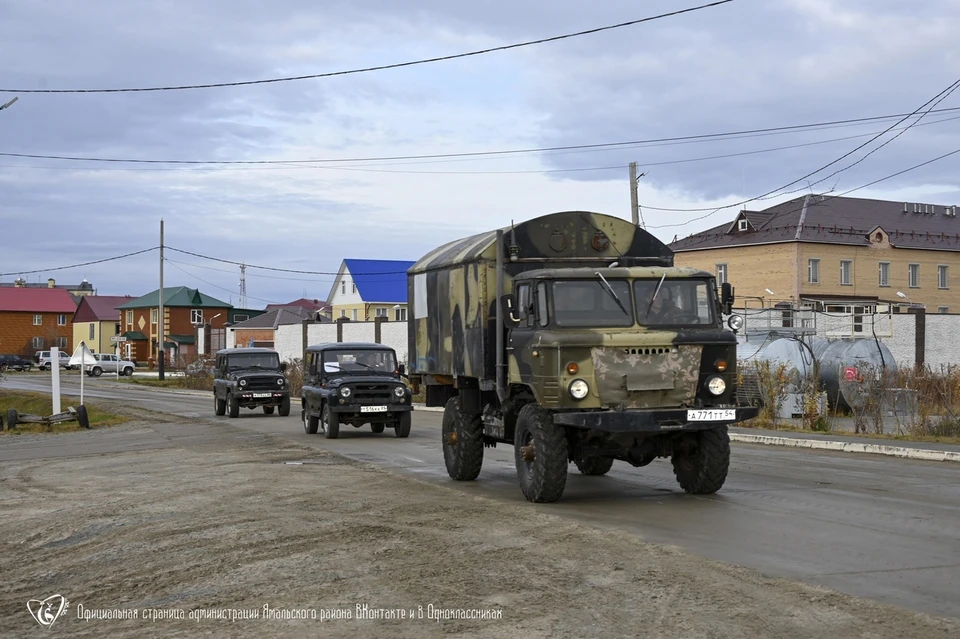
<point>663,308</point>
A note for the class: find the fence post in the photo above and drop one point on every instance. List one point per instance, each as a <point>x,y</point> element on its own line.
<point>304,337</point>
<point>340,321</point>
<point>920,337</point>
<point>377,323</point>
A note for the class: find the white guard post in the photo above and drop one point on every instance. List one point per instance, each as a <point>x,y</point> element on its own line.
<point>55,378</point>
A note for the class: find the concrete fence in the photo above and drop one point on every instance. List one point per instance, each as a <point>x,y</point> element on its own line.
<point>289,341</point>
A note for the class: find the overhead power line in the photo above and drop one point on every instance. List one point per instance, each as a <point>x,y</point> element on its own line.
<point>475,154</point>
<point>384,67</point>
<point>227,290</point>
<point>932,101</point>
<point>64,268</point>
<point>271,268</point>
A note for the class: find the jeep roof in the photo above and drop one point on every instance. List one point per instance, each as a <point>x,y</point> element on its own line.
<point>255,349</point>
<point>350,346</point>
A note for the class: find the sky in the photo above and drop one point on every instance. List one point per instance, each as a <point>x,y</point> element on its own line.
<point>741,66</point>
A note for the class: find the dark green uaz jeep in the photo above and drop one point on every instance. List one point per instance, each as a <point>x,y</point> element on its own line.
<point>250,378</point>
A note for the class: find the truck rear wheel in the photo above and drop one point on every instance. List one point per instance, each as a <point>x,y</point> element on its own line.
<point>462,441</point>
<point>540,450</point>
<point>702,469</point>
<point>594,465</point>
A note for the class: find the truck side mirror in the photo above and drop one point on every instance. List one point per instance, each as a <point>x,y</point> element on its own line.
<point>507,305</point>
<point>726,297</point>
<point>402,369</point>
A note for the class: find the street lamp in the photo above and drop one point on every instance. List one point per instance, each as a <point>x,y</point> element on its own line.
<point>4,106</point>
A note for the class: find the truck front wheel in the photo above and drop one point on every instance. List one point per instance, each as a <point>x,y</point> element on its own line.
<point>540,450</point>
<point>701,468</point>
<point>462,442</point>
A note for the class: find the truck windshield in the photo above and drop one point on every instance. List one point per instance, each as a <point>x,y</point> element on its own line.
<point>685,302</point>
<point>590,303</point>
<point>270,361</point>
<point>359,361</point>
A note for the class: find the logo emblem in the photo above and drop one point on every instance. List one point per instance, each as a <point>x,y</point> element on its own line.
<point>600,241</point>
<point>48,610</point>
<point>558,241</point>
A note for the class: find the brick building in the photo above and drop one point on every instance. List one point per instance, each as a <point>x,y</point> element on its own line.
<point>184,309</point>
<point>261,330</point>
<point>836,254</point>
<point>35,319</point>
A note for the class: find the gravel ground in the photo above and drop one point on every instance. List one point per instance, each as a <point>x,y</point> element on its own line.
<point>222,524</point>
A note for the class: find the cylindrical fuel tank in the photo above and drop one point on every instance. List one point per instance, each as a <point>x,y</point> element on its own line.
<point>849,366</point>
<point>795,355</point>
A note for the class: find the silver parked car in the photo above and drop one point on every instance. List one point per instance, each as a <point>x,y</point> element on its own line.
<point>109,363</point>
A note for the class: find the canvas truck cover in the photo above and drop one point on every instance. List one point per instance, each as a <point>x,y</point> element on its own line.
<point>451,291</point>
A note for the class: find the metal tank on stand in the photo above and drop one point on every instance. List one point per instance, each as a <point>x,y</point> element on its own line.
<point>846,366</point>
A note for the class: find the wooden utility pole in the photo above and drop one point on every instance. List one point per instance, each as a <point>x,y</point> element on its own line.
<point>634,202</point>
<point>160,352</point>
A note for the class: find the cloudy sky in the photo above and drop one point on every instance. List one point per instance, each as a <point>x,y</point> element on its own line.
<point>741,66</point>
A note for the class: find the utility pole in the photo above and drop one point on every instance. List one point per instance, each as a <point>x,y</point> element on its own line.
<point>160,353</point>
<point>634,201</point>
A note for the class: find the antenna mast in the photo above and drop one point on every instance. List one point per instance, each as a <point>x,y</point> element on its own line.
<point>243,286</point>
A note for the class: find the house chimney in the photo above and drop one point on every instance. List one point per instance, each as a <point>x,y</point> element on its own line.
<point>904,207</point>
<point>51,283</point>
<point>20,282</point>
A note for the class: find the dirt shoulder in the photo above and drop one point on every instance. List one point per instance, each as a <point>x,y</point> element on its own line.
<point>220,523</point>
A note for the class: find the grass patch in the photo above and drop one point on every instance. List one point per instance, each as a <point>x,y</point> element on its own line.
<point>41,404</point>
<point>789,428</point>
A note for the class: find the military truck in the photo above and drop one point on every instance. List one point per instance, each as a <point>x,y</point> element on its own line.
<point>573,337</point>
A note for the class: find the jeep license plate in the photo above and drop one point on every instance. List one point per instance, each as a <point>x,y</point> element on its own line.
<point>258,395</point>
<point>712,415</point>
<point>373,409</point>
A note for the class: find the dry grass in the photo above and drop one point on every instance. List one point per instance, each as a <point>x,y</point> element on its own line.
<point>41,404</point>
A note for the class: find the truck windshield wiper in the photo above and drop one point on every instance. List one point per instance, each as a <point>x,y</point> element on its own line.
<point>613,294</point>
<point>655,293</point>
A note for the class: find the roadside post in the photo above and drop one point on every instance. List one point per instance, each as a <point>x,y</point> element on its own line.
<point>55,377</point>
<point>117,339</point>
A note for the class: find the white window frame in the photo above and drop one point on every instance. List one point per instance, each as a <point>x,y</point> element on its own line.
<point>37,319</point>
<point>723,274</point>
<point>343,312</point>
<point>196,316</point>
<point>943,274</point>
<point>343,288</point>
<point>382,312</point>
<point>354,285</point>
<point>813,270</point>
<point>400,314</point>
<point>38,342</point>
<point>61,320</point>
<point>913,275</point>
<point>154,315</point>
<point>743,225</point>
<point>354,314</point>
<point>849,279</point>
<point>883,274</point>
<point>130,319</point>
<point>93,331</point>
<point>61,342</point>
<point>943,310</point>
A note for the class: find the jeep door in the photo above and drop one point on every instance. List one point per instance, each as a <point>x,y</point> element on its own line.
<point>310,392</point>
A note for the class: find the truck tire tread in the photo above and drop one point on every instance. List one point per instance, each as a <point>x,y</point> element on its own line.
<point>705,470</point>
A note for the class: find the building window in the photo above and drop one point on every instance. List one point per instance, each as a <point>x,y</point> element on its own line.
<point>942,276</point>
<point>38,342</point>
<point>129,319</point>
<point>846,272</point>
<point>743,224</point>
<point>93,331</point>
<point>913,276</point>
<point>381,312</point>
<point>240,318</point>
<point>721,274</point>
<point>196,316</point>
<point>61,320</point>
<point>354,285</point>
<point>354,315</point>
<point>943,309</point>
<point>153,315</point>
<point>343,312</point>
<point>61,342</point>
<point>400,314</point>
<point>38,319</point>
<point>884,273</point>
<point>813,271</point>
<point>343,288</point>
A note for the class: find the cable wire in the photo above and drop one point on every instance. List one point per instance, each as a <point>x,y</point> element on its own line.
<point>272,268</point>
<point>219,287</point>
<point>383,67</point>
<point>63,268</point>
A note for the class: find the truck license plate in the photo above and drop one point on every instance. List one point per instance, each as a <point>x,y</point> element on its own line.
<point>261,395</point>
<point>373,409</point>
<point>712,415</point>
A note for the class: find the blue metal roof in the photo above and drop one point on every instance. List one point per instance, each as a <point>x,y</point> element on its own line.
<point>380,280</point>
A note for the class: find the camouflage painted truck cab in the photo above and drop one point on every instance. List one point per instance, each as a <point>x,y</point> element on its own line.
<point>573,337</point>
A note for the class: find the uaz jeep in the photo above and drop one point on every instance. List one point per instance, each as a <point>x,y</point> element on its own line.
<point>356,384</point>
<point>248,378</point>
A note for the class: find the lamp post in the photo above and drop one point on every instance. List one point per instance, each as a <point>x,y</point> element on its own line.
<point>7,105</point>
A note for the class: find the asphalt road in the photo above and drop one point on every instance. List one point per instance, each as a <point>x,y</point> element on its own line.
<point>867,525</point>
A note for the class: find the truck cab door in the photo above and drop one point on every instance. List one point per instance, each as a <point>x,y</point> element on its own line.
<point>532,310</point>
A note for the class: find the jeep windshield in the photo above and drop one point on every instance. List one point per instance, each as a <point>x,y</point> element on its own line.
<point>592,303</point>
<point>266,361</point>
<point>360,362</point>
<point>680,302</point>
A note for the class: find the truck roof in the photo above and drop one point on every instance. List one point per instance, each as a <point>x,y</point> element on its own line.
<point>632,272</point>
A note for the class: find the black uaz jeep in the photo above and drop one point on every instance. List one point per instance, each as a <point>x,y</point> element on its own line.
<point>354,383</point>
<point>250,377</point>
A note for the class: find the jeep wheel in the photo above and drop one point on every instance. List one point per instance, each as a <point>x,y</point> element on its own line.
<point>594,465</point>
<point>331,423</point>
<point>268,410</point>
<point>377,428</point>
<point>284,409</point>
<point>540,450</point>
<point>219,405</point>
<point>462,443</point>
<point>702,468</point>
<point>310,422</point>
<point>402,429</point>
<point>234,405</point>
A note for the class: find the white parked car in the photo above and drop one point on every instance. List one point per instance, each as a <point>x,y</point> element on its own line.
<point>109,363</point>
<point>44,362</point>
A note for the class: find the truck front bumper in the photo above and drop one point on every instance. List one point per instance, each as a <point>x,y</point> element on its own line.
<point>655,420</point>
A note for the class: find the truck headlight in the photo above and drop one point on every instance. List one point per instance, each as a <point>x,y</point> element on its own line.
<point>716,385</point>
<point>345,391</point>
<point>735,322</point>
<point>398,392</point>
<point>243,382</point>
<point>578,389</point>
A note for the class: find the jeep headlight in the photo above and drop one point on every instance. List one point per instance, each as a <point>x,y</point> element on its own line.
<point>578,389</point>
<point>345,391</point>
<point>243,382</point>
<point>280,381</point>
<point>716,385</point>
<point>398,392</point>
